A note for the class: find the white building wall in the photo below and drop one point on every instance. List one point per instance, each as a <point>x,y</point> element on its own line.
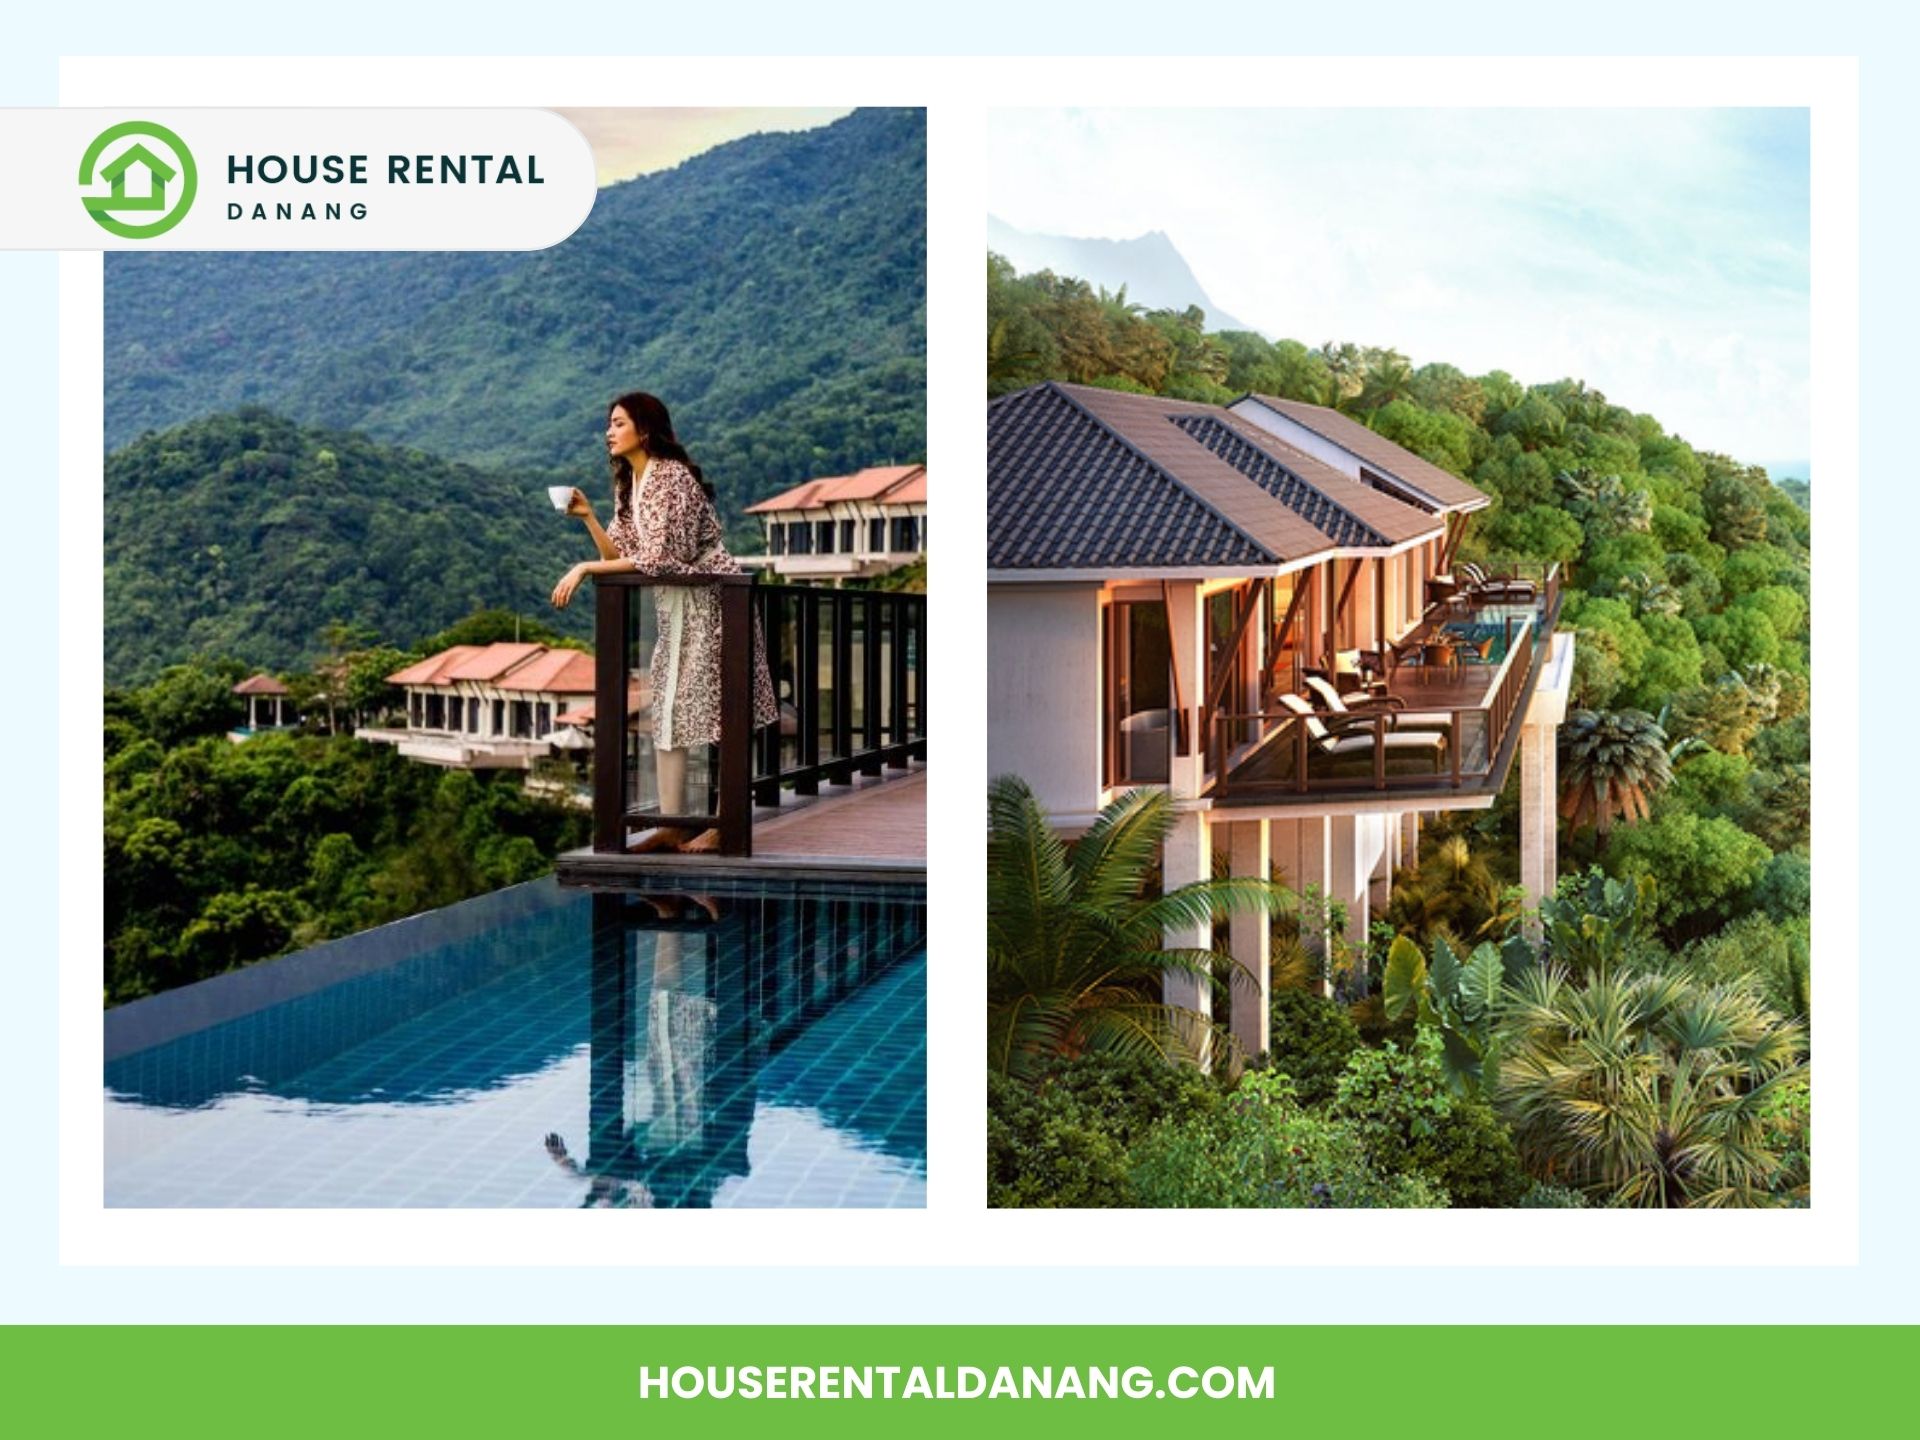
<point>1043,691</point>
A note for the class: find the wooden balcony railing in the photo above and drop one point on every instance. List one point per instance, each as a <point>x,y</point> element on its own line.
<point>849,669</point>
<point>1274,754</point>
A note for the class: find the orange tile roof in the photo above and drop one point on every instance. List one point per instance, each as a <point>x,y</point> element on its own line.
<point>895,484</point>
<point>493,661</point>
<point>510,665</point>
<point>433,670</point>
<point>565,672</point>
<point>261,685</point>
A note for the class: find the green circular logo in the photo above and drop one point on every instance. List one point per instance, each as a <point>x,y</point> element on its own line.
<point>140,180</point>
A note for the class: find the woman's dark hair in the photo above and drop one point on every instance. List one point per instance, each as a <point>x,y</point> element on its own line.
<point>650,418</point>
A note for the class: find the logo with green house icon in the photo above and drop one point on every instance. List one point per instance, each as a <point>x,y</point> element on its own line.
<point>151,177</point>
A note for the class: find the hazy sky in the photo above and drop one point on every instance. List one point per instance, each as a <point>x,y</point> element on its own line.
<point>1659,255</point>
<point>630,142</point>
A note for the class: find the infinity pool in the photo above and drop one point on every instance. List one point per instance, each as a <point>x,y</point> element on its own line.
<point>544,1047</point>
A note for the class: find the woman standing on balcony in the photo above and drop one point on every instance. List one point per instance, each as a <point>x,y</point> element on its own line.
<point>664,524</point>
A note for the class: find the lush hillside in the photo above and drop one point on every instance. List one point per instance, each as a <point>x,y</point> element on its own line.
<point>771,290</point>
<point>220,854</point>
<point>1666,990</point>
<point>247,535</point>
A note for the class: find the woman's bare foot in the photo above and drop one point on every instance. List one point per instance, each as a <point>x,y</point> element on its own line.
<point>664,838</point>
<point>707,842</point>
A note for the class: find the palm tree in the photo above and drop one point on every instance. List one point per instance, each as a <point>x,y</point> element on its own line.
<point>1452,892</point>
<point>1388,378</point>
<point>1647,595</point>
<point>1611,763</point>
<point>1648,1088</point>
<point>1075,946</point>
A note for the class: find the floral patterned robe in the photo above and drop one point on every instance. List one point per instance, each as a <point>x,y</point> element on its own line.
<point>669,528</point>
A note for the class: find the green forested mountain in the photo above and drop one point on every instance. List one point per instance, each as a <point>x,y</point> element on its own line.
<point>246,534</point>
<point>771,290</point>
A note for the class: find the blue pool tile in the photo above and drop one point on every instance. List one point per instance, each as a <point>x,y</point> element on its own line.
<point>774,1057</point>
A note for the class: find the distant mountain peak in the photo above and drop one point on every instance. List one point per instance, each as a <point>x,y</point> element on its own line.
<point>1149,265</point>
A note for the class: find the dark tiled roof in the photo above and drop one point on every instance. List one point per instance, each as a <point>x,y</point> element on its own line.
<point>1270,475</point>
<point>1378,452</point>
<point>1084,478</point>
<point>1065,492</point>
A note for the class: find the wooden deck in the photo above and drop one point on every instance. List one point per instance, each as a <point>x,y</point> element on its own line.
<point>873,831</point>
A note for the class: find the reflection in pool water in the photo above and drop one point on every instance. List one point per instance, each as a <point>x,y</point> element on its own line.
<point>541,1047</point>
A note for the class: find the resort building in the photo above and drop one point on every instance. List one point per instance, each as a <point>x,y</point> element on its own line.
<point>269,706</point>
<point>1258,607</point>
<point>491,707</point>
<point>845,527</point>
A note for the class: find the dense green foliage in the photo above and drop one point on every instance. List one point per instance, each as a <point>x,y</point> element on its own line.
<point>1310,1039</point>
<point>1076,943</point>
<point>771,290</point>
<point>1263,1149</point>
<point>218,854</point>
<point>245,534</point>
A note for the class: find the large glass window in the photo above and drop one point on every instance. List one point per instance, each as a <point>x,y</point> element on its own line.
<point>776,539</point>
<point>877,535</point>
<point>823,536</point>
<point>1138,704</point>
<point>846,537</point>
<point>799,538</point>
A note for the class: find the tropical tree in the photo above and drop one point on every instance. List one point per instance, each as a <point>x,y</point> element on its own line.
<point>1076,948</point>
<point>1611,764</point>
<point>1453,891</point>
<point>1647,595</point>
<point>1647,1088</point>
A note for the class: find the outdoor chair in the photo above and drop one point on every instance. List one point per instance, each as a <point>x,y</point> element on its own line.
<point>1476,652</point>
<point>1143,739</point>
<point>1494,587</point>
<point>1362,708</point>
<point>1407,751</point>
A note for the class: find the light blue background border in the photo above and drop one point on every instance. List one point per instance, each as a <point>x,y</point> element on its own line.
<point>34,1288</point>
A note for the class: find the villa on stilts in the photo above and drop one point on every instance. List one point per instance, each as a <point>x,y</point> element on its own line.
<point>1259,607</point>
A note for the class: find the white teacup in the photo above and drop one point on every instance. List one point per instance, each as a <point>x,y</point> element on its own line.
<point>561,495</point>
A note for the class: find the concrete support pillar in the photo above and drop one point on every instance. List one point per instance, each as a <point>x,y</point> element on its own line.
<point>1539,815</point>
<point>1352,870</point>
<point>1300,849</point>
<point>1187,857</point>
<point>1186,631</point>
<point>1383,843</point>
<point>1251,938</point>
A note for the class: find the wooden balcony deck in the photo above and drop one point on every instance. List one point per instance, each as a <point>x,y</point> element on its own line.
<point>872,831</point>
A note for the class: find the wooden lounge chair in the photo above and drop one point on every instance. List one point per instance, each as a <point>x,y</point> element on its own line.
<point>1498,588</point>
<point>1361,709</point>
<point>1416,751</point>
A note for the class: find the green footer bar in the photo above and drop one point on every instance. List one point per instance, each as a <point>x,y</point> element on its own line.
<point>997,1381</point>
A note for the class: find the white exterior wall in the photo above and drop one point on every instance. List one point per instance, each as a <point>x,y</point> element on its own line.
<point>1043,692</point>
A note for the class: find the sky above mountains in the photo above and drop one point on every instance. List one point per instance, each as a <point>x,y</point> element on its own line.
<point>1659,255</point>
<point>630,141</point>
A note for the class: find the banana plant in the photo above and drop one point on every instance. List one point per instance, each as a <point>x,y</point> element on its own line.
<point>1596,922</point>
<point>1458,998</point>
